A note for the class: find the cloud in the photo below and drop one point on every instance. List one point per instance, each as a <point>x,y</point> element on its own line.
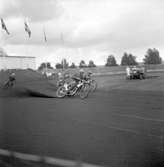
<point>38,10</point>
<point>142,27</point>
<point>85,22</point>
<point>90,28</point>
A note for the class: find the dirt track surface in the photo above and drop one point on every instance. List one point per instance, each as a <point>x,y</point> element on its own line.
<point>119,125</point>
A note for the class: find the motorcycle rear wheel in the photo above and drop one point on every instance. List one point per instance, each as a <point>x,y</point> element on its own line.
<point>93,85</point>
<point>84,91</point>
<point>7,85</point>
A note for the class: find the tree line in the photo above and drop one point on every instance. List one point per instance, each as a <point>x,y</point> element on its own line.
<point>64,64</point>
<point>152,56</point>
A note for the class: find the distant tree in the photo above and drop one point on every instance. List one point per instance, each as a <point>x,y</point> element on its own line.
<point>82,64</point>
<point>64,63</point>
<point>58,66</point>
<point>49,65</point>
<point>45,65</point>
<point>128,59</point>
<point>91,64</point>
<point>72,65</point>
<point>152,57</point>
<point>124,60</point>
<point>42,66</point>
<point>111,61</point>
<point>132,60</point>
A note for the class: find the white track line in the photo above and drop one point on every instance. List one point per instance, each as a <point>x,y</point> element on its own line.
<point>67,163</point>
<point>139,117</point>
<point>48,160</point>
<point>120,129</point>
<point>5,152</point>
<point>28,157</point>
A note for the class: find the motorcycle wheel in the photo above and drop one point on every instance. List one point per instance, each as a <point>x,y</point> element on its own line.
<point>6,85</point>
<point>61,92</point>
<point>93,85</point>
<point>84,91</point>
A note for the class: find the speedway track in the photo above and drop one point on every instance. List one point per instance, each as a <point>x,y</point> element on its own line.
<point>120,123</point>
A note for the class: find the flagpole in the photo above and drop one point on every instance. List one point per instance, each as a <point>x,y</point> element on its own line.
<point>4,27</point>
<point>45,40</point>
<point>27,50</point>
<point>63,52</point>
<point>44,33</point>
<point>63,43</point>
<point>27,29</point>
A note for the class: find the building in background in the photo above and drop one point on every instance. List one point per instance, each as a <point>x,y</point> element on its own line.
<point>17,62</point>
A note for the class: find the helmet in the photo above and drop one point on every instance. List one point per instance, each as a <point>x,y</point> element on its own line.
<point>81,70</point>
<point>13,74</point>
<point>66,75</point>
<point>59,74</point>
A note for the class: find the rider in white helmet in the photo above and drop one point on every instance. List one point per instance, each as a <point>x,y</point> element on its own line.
<point>12,77</point>
<point>81,74</point>
<point>81,70</point>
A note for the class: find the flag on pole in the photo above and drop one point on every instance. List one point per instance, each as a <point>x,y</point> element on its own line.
<point>45,37</point>
<point>4,26</point>
<point>27,29</point>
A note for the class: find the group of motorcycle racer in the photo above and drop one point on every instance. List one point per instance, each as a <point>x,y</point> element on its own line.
<point>80,83</point>
<point>73,81</point>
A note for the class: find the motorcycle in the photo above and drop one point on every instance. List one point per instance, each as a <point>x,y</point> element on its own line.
<point>8,84</point>
<point>82,89</point>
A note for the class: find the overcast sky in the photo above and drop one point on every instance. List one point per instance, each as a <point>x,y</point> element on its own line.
<point>91,29</point>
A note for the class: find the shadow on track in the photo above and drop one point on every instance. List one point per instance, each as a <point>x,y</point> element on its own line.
<point>152,77</point>
<point>26,92</point>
